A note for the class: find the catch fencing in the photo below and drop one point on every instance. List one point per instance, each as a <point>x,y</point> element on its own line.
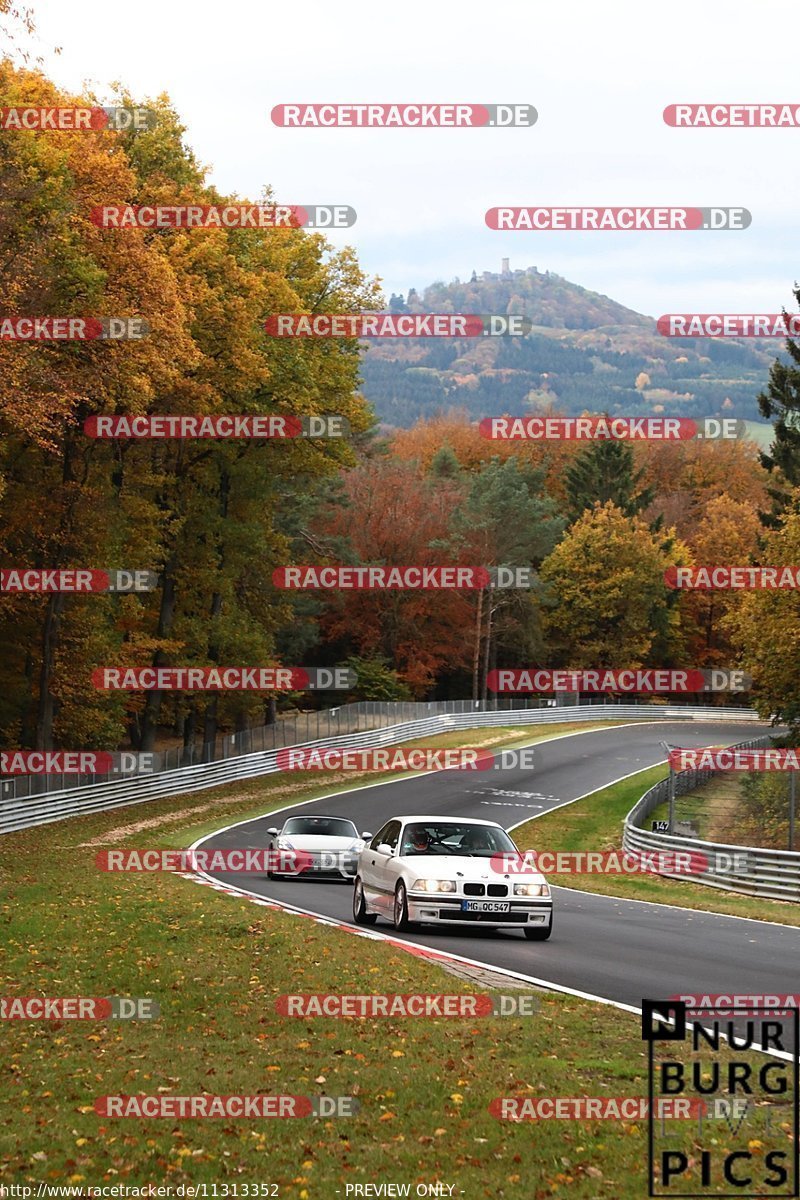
<point>32,800</point>
<point>749,870</point>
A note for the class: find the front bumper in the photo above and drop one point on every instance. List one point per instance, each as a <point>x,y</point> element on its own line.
<point>336,864</point>
<point>446,910</point>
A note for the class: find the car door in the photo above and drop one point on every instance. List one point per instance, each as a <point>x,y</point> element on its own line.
<point>375,874</point>
<point>368,860</point>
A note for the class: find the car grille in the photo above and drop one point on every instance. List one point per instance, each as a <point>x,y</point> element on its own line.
<point>478,889</point>
<point>509,918</point>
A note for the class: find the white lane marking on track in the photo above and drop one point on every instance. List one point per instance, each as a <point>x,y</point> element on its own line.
<point>508,804</point>
<point>509,792</point>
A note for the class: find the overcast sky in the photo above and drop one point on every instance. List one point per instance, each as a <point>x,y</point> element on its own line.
<point>599,75</point>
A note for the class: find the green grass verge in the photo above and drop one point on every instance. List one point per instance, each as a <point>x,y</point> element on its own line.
<point>216,964</point>
<point>711,807</point>
<point>595,823</point>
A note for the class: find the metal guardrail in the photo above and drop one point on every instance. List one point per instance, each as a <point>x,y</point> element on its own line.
<point>749,870</point>
<point>23,812</point>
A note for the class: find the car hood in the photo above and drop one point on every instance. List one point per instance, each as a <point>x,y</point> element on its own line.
<point>465,868</point>
<point>320,841</point>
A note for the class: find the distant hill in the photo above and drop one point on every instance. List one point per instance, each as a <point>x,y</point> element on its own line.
<point>584,351</point>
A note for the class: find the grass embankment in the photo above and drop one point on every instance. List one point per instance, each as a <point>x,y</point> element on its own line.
<point>216,964</point>
<point>595,823</point>
<point>710,808</point>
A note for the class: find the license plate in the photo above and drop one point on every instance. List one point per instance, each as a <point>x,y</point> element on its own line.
<point>495,906</point>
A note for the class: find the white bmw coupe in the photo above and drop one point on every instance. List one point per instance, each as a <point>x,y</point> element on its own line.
<point>446,871</point>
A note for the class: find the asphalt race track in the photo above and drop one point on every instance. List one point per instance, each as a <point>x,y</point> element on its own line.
<point>621,950</point>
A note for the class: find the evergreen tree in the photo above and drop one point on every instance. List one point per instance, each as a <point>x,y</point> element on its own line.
<point>603,472</point>
<point>445,464</point>
<point>781,401</point>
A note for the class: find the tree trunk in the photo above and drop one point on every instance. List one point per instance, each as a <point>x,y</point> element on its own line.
<point>487,644</point>
<point>476,653</point>
<point>46,709</point>
<point>210,728</point>
<point>152,705</point>
<point>190,732</point>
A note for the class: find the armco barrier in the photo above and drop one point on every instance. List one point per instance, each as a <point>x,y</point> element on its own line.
<point>749,870</point>
<point>40,809</point>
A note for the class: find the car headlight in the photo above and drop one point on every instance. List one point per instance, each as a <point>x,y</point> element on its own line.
<point>284,844</point>
<point>531,889</point>
<point>433,885</point>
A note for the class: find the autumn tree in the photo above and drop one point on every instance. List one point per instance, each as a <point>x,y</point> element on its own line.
<point>394,515</point>
<point>686,475</point>
<point>202,515</point>
<point>607,604</point>
<point>59,496</point>
<point>504,521</point>
<point>727,535</point>
<point>765,627</point>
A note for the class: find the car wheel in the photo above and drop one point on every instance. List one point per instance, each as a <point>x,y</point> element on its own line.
<point>400,910</point>
<point>539,933</point>
<point>360,914</point>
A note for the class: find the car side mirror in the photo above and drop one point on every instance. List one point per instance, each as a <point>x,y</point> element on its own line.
<point>385,848</point>
<point>273,831</point>
<point>366,836</point>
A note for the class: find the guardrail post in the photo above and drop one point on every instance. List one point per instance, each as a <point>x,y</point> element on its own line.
<point>792,799</point>
<point>671,791</point>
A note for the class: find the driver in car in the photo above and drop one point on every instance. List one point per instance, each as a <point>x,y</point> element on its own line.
<point>477,841</point>
<point>416,841</point>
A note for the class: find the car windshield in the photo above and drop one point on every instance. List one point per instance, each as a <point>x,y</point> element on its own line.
<point>320,827</point>
<point>455,837</point>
